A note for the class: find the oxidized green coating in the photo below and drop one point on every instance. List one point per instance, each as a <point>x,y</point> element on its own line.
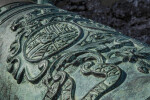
<point>47,53</point>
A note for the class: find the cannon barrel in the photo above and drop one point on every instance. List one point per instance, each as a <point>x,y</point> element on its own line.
<point>47,53</point>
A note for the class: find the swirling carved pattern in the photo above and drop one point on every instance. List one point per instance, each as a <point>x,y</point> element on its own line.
<point>43,65</point>
<point>112,74</point>
<point>38,45</point>
<point>82,60</point>
<point>56,43</point>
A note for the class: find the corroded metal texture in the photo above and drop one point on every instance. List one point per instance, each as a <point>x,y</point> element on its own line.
<point>47,53</point>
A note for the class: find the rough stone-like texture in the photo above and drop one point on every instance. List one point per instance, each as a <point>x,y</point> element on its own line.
<point>51,54</point>
<point>131,17</point>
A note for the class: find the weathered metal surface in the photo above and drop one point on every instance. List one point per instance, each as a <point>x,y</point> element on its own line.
<point>47,53</point>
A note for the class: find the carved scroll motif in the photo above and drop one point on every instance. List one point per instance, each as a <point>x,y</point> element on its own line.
<point>89,63</point>
<point>55,47</point>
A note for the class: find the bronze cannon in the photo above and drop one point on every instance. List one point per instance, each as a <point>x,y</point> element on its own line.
<point>47,53</point>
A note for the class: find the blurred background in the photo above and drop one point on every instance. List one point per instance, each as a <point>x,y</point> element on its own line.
<point>131,17</point>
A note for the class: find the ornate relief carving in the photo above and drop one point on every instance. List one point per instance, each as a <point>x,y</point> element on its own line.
<point>57,48</point>
<point>43,66</point>
<point>90,64</point>
<point>41,37</point>
<point>50,40</point>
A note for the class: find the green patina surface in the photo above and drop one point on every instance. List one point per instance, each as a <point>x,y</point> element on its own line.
<point>47,53</point>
